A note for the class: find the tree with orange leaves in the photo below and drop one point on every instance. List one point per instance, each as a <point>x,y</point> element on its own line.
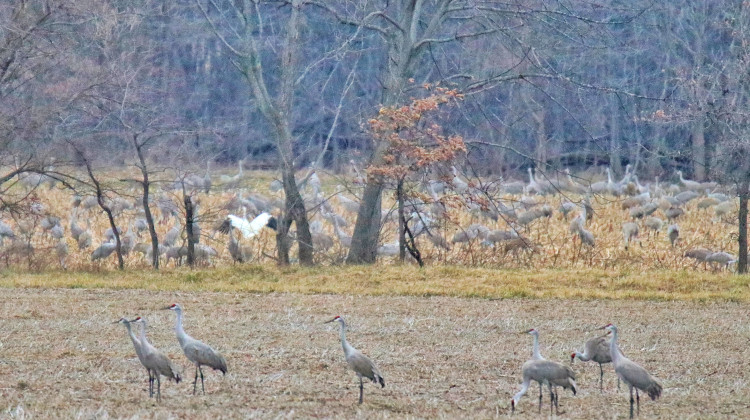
<point>416,144</point>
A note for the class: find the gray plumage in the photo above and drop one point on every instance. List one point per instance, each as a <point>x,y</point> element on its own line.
<point>673,233</point>
<point>103,251</point>
<point>358,362</point>
<point>630,232</point>
<point>632,373</point>
<point>673,213</point>
<point>654,223</point>
<point>199,353</point>
<point>138,350</point>
<point>596,350</point>
<point>544,371</point>
<point>156,362</point>
<point>721,259</point>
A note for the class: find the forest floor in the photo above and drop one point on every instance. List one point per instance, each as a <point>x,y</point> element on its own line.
<point>443,355</point>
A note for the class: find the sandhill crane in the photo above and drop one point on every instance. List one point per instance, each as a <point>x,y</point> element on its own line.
<point>525,218</point>
<point>103,251</point>
<point>61,250</point>
<point>156,362</point>
<point>571,185</point>
<point>544,372</point>
<point>473,231</point>
<point>576,227</point>
<point>629,232</point>
<point>199,353</point>
<point>566,207</point>
<point>138,351</point>
<point>235,249</point>
<point>686,197</point>
<point>84,240</point>
<point>596,349</point>
<point>721,258</point>
<point>654,223</point>
<point>75,229</point>
<point>644,210</point>
<point>358,362</point>
<point>533,186</point>
<point>234,180</point>
<point>459,185</point>
<point>673,233</point>
<point>698,254</point>
<point>707,202</point>
<point>631,373</point>
<point>673,213</point>
<point>690,185</point>
<point>248,229</point>
<point>724,208</point>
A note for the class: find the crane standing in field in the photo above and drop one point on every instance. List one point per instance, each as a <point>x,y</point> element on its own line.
<point>632,373</point>
<point>544,372</point>
<point>137,345</point>
<point>596,349</point>
<point>358,362</point>
<point>199,353</point>
<point>156,362</point>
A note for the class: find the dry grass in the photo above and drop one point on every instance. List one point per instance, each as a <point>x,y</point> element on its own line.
<point>442,357</point>
<point>556,246</point>
<point>408,280</point>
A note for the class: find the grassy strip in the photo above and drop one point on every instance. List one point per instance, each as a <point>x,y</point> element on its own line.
<point>407,280</point>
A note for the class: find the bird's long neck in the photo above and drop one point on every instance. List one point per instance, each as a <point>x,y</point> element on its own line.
<point>614,350</point>
<point>345,344</point>
<point>144,340</point>
<point>133,338</point>
<point>583,356</point>
<point>535,352</point>
<point>181,336</point>
<point>531,177</point>
<point>524,388</point>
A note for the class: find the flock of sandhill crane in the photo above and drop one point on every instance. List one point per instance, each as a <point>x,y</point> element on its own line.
<point>516,205</point>
<point>537,369</point>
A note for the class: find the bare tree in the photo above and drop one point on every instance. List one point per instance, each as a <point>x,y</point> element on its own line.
<point>277,109</point>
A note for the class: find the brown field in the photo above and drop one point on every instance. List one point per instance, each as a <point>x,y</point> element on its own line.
<point>442,357</point>
<point>555,246</point>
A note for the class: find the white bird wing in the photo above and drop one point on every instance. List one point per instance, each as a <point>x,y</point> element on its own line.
<point>250,229</point>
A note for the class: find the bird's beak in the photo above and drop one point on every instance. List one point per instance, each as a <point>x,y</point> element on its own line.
<point>166,307</point>
<point>133,320</point>
<point>330,320</point>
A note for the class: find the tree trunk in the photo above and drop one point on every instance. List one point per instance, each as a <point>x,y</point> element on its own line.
<point>401,221</point>
<point>146,184</point>
<point>742,237</point>
<point>615,162</point>
<point>698,138</point>
<point>364,248</point>
<point>189,229</point>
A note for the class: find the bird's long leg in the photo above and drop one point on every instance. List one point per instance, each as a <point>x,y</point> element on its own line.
<point>637,402</point>
<point>361,389</point>
<point>203,388</point>
<point>195,382</point>
<point>158,387</point>
<point>631,401</point>
<point>540,397</point>
<point>150,384</point>
<point>601,379</point>
<point>552,402</point>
